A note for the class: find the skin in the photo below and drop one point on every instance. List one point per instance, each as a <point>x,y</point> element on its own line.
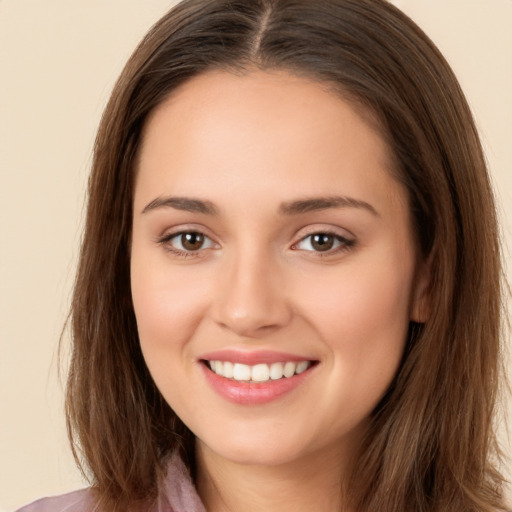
<point>247,144</point>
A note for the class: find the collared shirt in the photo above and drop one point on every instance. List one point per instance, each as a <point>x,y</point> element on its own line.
<point>177,494</point>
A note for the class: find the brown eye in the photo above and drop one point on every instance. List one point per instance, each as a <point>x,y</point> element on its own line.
<point>322,242</point>
<point>192,241</point>
<point>187,242</point>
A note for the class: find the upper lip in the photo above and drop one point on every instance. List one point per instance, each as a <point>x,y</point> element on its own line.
<point>253,357</point>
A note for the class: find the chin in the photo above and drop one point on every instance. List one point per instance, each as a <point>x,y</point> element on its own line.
<point>259,450</point>
<point>267,448</point>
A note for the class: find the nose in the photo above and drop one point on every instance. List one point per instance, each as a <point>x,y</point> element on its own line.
<point>251,300</point>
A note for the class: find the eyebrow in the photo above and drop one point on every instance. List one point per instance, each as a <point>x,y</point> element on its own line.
<point>186,204</point>
<point>324,203</point>
<point>287,208</point>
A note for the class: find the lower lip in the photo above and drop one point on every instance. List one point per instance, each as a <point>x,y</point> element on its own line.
<point>254,393</point>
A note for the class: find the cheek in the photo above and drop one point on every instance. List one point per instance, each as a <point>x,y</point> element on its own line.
<point>362,299</point>
<point>363,322</point>
<point>168,303</point>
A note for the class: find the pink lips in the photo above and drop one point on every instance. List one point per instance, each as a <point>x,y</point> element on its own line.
<point>252,393</point>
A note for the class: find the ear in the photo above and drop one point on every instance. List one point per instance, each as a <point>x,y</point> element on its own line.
<point>421,296</point>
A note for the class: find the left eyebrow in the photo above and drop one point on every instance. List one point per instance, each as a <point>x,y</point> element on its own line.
<point>323,203</point>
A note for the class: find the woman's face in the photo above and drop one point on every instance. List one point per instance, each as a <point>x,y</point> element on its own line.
<point>272,244</point>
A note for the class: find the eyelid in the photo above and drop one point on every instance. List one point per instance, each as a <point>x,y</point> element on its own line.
<point>179,229</point>
<point>170,234</point>
<point>325,229</point>
<point>173,236</point>
<point>346,240</point>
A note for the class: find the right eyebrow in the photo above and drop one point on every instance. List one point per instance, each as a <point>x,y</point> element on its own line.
<point>182,203</point>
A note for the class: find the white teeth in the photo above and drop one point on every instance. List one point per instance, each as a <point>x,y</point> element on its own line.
<point>289,369</point>
<point>302,367</point>
<point>217,367</point>
<point>258,373</point>
<point>276,371</point>
<point>241,372</point>
<point>228,370</point>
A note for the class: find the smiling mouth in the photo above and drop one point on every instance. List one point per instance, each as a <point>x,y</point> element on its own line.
<point>258,373</point>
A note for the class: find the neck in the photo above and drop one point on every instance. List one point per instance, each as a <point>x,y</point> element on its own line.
<point>311,483</point>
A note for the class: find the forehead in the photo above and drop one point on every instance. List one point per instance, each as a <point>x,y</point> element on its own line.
<point>260,95</point>
<point>293,134</point>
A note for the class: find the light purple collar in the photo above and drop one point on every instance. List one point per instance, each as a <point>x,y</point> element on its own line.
<point>177,494</point>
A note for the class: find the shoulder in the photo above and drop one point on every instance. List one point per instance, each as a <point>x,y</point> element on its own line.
<point>78,501</point>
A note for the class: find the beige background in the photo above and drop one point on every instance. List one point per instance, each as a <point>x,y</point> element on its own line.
<point>58,62</point>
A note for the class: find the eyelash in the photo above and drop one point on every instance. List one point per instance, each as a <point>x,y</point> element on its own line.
<point>345,244</point>
<point>165,241</point>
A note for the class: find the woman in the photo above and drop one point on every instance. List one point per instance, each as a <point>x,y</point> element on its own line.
<point>288,295</point>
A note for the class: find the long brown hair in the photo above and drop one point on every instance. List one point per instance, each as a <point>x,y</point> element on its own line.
<point>431,444</point>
